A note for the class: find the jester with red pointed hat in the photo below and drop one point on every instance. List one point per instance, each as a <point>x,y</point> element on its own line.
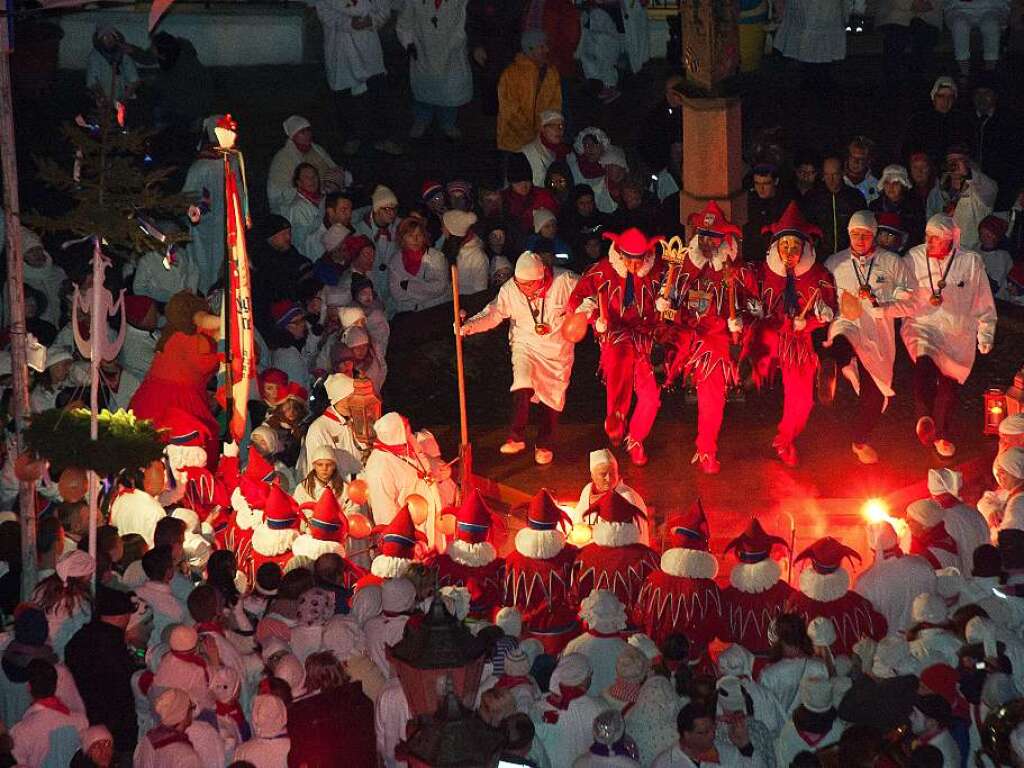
<point>756,594</point>
<point>706,303</point>
<point>618,294</point>
<point>797,297</point>
<point>681,596</point>
<point>538,571</point>
<point>471,560</point>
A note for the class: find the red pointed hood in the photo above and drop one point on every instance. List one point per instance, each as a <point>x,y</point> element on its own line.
<point>754,544</point>
<point>181,428</point>
<point>255,491</point>
<point>398,538</point>
<point>689,530</point>
<point>792,222</point>
<point>258,468</point>
<point>473,519</point>
<point>713,223</point>
<point>632,243</point>
<point>544,514</point>
<point>613,508</point>
<point>281,511</point>
<point>827,554</point>
<point>328,522</point>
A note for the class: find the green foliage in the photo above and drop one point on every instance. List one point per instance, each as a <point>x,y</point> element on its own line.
<point>123,442</point>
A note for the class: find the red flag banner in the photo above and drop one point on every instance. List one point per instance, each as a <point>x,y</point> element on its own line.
<point>238,308</point>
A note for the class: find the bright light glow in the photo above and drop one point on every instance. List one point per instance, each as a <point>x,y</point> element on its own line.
<point>875,511</point>
<point>580,535</point>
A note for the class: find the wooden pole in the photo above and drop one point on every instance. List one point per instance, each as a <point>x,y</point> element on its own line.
<point>16,301</point>
<point>465,450</point>
<point>97,344</point>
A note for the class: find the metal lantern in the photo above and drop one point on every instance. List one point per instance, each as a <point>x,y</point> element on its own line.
<point>437,648</point>
<point>453,736</point>
<point>363,408</point>
<point>995,410</point>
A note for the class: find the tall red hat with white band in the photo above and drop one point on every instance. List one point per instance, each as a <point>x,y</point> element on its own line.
<point>754,544</point>
<point>258,468</point>
<point>612,507</point>
<point>281,511</point>
<point>473,520</point>
<point>792,222</point>
<point>689,530</point>
<point>399,537</point>
<point>182,429</point>
<point>544,514</point>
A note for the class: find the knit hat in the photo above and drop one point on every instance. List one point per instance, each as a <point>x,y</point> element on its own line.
<point>268,435</point>
<point>76,564</point>
<point>603,612</point>
<point>927,512</point>
<point>549,116</point>
<point>891,222</point>
<point>354,245</point>
<point>335,236</point>
<point>542,216</point>
<point>882,536</point>
<point>532,38</point>
<point>816,693</point>
<point>754,544</point>
<point>30,625</point>
<point>354,336</point>
<point>529,266</point>
<point>269,716</point>
<point>942,680</point>
<point>827,555</point>
<point>944,82</point>
<point>822,632</point>
<point>688,530</point>
<point>863,220</point>
<point>895,173</point>
<point>285,311</point>
<point>136,308</point>
<point>350,315</point>
<point>172,707</point>
<point>183,638</point>
<point>383,197</point>
<point>93,735</point>
<point>458,222</point>
<point>430,190</point>
<point>294,124</point>
<point>338,386</point>
<point>518,168</point>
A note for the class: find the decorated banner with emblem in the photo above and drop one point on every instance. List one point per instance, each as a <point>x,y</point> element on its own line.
<point>238,308</point>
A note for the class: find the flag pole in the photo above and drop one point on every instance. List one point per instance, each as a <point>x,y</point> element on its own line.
<point>465,449</point>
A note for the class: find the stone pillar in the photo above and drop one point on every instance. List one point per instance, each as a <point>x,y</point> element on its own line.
<point>712,157</point>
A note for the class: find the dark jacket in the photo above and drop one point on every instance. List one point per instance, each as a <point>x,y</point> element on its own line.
<point>911,211</point>
<point>315,724</point>
<point>997,149</point>
<point>932,132</point>
<point>761,213</point>
<point>97,656</point>
<point>832,212</point>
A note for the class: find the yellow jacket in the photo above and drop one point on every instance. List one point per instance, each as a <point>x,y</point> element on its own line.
<point>521,100</point>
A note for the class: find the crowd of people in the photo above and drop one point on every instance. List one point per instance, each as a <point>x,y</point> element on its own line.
<point>243,597</point>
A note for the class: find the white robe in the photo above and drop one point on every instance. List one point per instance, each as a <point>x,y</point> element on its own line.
<point>137,353</point>
<point>166,608</point>
<point>540,158</point>
<point>728,757</point>
<point>177,755</point>
<point>949,333</point>
<point>440,73</point>
<point>974,204</point>
<point>630,495</point>
<point>1013,513</point>
<point>48,279</point>
<point>573,734</point>
<point>391,480</point>
<point>338,436</point>
<point>782,679</point>
<point>265,753</point>
<point>968,528</point>
<point>936,646</point>
<point>872,335</point>
<point>45,738</point>
<point>351,56</point>
<point>813,31</point>
<point>791,743</point>
<point>282,168</point>
<point>892,584</point>
<point>603,653</point>
<point>15,698</point>
<point>206,248</point>
<point>391,714</point>
<point>474,268</point>
<point>208,743</point>
<point>172,672</point>
<point>428,288</point>
<point>136,512</point>
<point>306,218</point>
<point>542,363</point>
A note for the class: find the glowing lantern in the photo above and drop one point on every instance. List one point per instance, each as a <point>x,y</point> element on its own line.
<point>28,468</point>
<point>363,408</point>
<point>580,535</point>
<point>358,491</point>
<point>73,484</point>
<point>418,508</point>
<point>359,527</point>
<point>995,410</point>
<point>575,327</point>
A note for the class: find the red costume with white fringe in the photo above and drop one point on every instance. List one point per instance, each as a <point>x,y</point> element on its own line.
<point>825,591</point>
<point>248,499</point>
<point>682,596</point>
<point>790,296</point>
<point>328,529</point>
<point>756,594</point>
<point>619,294</point>
<point>538,572</point>
<point>190,483</point>
<point>471,560</point>
<point>700,295</point>
<point>273,538</point>
<point>616,560</point>
<point>397,546</point>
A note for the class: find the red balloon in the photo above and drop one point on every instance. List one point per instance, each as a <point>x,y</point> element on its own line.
<point>575,327</point>
<point>359,527</point>
<point>357,491</point>
<point>418,508</point>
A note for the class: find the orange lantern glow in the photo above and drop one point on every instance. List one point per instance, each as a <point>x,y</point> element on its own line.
<point>28,468</point>
<point>358,491</point>
<point>580,535</point>
<point>359,527</point>
<point>995,410</point>
<point>446,525</point>
<point>575,327</point>
<point>875,511</point>
<point>418,508</point>
<point>73,484</point>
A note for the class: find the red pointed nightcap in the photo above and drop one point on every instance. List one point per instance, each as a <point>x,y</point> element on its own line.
<point>713,223</point>
<point>612,507</point>
<point>792,222</point>
<point>399,537</point>
<point>754,544</point>
<point>826,555</point>
<point>281,511</point>
<point>689,530</point>
<point>328,522</point>
<point>544,514</point>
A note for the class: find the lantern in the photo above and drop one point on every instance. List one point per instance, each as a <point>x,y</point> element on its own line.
<point>363,408</point>
<point>575,327</point>
<point>453,735</point>
<point>357,491</point>
<point>995,410</point>
<point>580,535</point>
<point>447,524</point>
<point>418,508</point>
<point>437,648</point>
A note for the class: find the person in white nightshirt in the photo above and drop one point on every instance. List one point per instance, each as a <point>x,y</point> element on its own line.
<point>380,224</point>
<point>534,303</point>
<point>305,210</point>
<point>270,744</point>
<point>298,148</point>
<point>48,734</point>
<point>603,642</point>
<point>564,718</point>
<point>333,430</point>
<point>605,477</point>
<point>462,241</point>
<point>167,745</point>
<point>894,579</point>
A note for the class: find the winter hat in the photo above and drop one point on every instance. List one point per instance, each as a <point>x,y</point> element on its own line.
<point>354,336</point>
<point>509,621</point>
<point>735,660</point>
<point>430,190</point>
<point>949,583</point>
<point>689,530</point>
<point>994,224</point>
<point>269,437</point>
<point>518,168</point>
<point>172,707</point>
<point>632,666</point>
<point>294,124</point>
<point>338,386</point>
<point>603,612</point>
<point>397,596</point>
<point>542,216</point>
<point>632,243</point>
<point>549,116</point>
<point>344,638</point>
<point>517,663</point>
<point>816,693</point>
<point>354,245</point>
<point>529,267</point>
<point>572,671</point>
<point>1012,461</point>
<point>862,220</point>
<point>893,658</point>
<point>350,315</point>
<point>30,626</point>
<point>730,695</point>
<point>827,555</point>
<point>285,311</point>
<point>281,511</point>
<point>822,632</point>
<point>1012,425</point>
<point>315,605</point>
<point>895,173</point>
<point>927,512</point>
<point>335,236</point>
<point>383,197</point>
<point>944,82</point>
<point>532,38</point>
<point>754,544</point>
<point>76,564</point>
<point>942,680</point>
<point>269,716</point>
<point>544,514</point>
<point>928,608</point>
<point>882,536</point>
<point>458,222</point>
<point>136,308</point>
<point>945,481</point>
<point>93,735</point>
<point>183,638</point>
<point>391,429</point>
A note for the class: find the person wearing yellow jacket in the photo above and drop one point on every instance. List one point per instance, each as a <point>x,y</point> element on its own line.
<point>527,87</point>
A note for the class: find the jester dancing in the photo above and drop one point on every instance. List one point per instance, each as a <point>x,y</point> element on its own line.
<point>798,297</point>
<point>704,298</point>
<point>619,294</point>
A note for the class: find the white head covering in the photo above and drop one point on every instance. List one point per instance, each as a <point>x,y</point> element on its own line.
<point>225,684</point>
<point>269,437</point>
<point>882,536</point>
<point>927,512</point>
<point>56,355</point>
<point>383,197</point>
<point>614,155</point>
<point>1012,460</point>
<point>529,267</point>
<point>458,222</point>
<point>572,670</point>
<point>456,600</point>
<point>354,336</point>
<point>929,608</point>
<point>942,481</point>
<point>603,611</point>
<point>944,82</point>
<point>322,453</point>
<point>1012,425</point>
<point>510,621</point>
<point>366,603</point>
<point>645,645</point>
<point>549,116</point>
<point>542,216</point>
<point>816,693</point>
<point>863,220</point>
<point>29,240</point>
<point>600,457</point>
<point>895,173</point>
<point>822,632</point>
<point>397,595</point>
<point>294,124</point>
<point>730,695</point>
<point>75,564</point>
<point>350,315</point>
<point>183,638</point>
<point>94,734</point>
<point>335,236</point>
<point>736,660</point>
<point>596,133</point>
<point>344,638</point>
<point>949,583</point>
<point>172,707</point>
<point>338,386</point>
<point>390,429</point>
<point>269,716</point>
<point>893,657</point>
<point>944,226</point>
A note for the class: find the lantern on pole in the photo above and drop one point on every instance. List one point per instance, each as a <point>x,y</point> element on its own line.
<point>363,408</point>
<point>995,410</point>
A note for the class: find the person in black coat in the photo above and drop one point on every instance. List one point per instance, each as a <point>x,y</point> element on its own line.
<point>997,144</point>
<point>662,126</point>
<point>830,207</point>
<point>765,204</point>
<point>101,664</point>
<point>933,129</point>
<point>896,198</point>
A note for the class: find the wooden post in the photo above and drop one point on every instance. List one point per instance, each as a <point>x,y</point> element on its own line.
<point>16,300</point>
<point>465,450</point>
<point>97,343</point>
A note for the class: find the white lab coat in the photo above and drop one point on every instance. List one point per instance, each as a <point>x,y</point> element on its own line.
<point>540,158</point>
<point>542,363</point>
<point>950,332</point>
<point>282,168</point>
<point>351,56</point>
<point>892,584</point>
<point>813,31</point>
<point>430,287</point>
<point>974,203</point>
<point>45,738</point>
<point>338,436</point>
<point>135,511</point>
<point>872,335</point>
<point>206,178</point>
<point>440,73</point>
<point>790,743</point>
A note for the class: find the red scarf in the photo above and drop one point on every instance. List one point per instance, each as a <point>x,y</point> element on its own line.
<point>210,627</point>
<point>382,232</point>
<point>812,739</point>
<point>191,657</point>
<point>163,736</point>
<point>412,260</point>
<point>232,710</point>
<point>314,199</point>
<point>561,700</point>
<point>590,169</point>
<point>52,702</point>
<point>513,681</point>
<point>935,537</point>
<point>559,150</point>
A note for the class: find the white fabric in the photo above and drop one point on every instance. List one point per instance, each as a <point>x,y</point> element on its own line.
<point>296,363</point>
<point>587,498</point>
<point>171,756</point>
<point>430,287</point>
<point>540,159</point>
<point>44,738</point>
<point>782,679</point>
<point>339,438</point>
<point>391,480</point>
<point>385,241</point>
<point>603,653</point>
<point>936,646</point>
<point>949,333</point>
<point>167,609</point>
<point>542,363</point>
<point>48,279</point>
<point>813,31</point>
<point>265,753</point>
<point>173,672</point>
<point>381,633</point>
<point>391,713</point>
<point>973,205</point>
<point>208,744</point>
<point>968,528</point>
<point>572,735</point>
<point>892,584</point>
<point>282,168</point>
<point>136,511</point>
<point>306,219</point>
<point>15,698</point>
<point>791,743</point>
<point>601,761</point>
<point>872,335</point>
<point>99,74</point>
<point>440,72</point>
<point>474,268</point>
<point>351,56</point>
<point>155,280</point>
<point>728,756</point>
